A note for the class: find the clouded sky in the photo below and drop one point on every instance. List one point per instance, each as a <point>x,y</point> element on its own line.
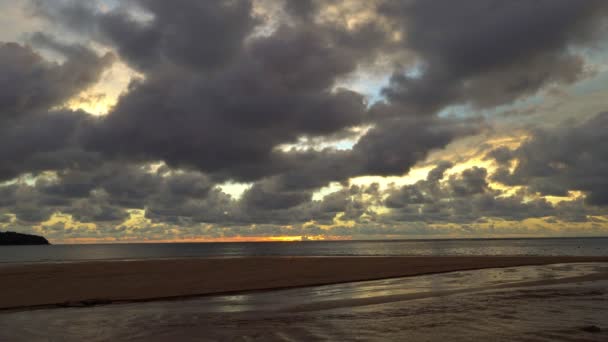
<point>154,120</point>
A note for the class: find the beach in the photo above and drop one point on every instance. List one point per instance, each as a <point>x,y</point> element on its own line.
<point>39,285</point>
<point>553,302</point>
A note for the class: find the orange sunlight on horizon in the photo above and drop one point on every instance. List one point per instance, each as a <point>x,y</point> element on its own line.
<point>296,238</point>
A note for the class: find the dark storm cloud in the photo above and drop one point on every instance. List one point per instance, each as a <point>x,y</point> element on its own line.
<point>106,192</point>
<point>192,34</point>
<point>395,145</point>
<point>96,208</point>
<point>425,191</point>
<point>274,89</point>
<point>34,138</point>
<point>472,181</point>
<point>128,186</point>
<point>230,121</point>
<point>262,196</point>
<point>569,157</point>
<point>389,149</point>
<point>348,201</point>
<point>503,155</point>
<point>438,172</point>
<point>44,141</point>
<point>463,198</point>
<point>25,203</point>
<point>488,53</point>
<point>214,207</point>
<point>31,83</point>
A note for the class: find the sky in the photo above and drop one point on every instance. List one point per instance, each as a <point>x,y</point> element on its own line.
<point>257,120</point>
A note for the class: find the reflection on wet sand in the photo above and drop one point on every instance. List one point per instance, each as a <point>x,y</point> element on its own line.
<point>534,303</point>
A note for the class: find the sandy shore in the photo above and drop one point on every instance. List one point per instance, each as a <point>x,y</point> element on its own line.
<point>83,283</point>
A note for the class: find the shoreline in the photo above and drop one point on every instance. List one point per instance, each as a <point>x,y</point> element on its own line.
<point>88,283</point>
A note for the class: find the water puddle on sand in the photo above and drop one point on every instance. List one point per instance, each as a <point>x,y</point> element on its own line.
<point>538,303</point>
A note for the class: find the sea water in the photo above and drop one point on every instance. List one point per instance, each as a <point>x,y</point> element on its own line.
<point>535,246</point>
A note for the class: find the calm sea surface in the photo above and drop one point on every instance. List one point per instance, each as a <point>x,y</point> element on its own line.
<point>553,246</point>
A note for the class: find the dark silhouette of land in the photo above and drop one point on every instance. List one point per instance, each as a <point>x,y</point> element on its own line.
<point>18,239</point>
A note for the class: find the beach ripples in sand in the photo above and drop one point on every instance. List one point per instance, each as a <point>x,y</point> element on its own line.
<point>534,303</point>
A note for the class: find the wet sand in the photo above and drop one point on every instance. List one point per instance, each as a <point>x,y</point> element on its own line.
<point>557,302</point>
<point>104,282</point>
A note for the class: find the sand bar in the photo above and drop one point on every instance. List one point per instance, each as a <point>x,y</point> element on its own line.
<point>50,284</point>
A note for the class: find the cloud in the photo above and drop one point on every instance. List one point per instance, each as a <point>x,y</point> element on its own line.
<point>226,85</point>
<point>96,209</point>
<point>462,198</point>
<point>31,83</point>
<point>568,157</point>
<point>34,136</point>
<point>178,33</point>
<point>488,53</point>
<point>276,88</point>
<point>38,142</point>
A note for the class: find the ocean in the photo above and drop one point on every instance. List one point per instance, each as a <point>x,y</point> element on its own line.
<point>534,246</point>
